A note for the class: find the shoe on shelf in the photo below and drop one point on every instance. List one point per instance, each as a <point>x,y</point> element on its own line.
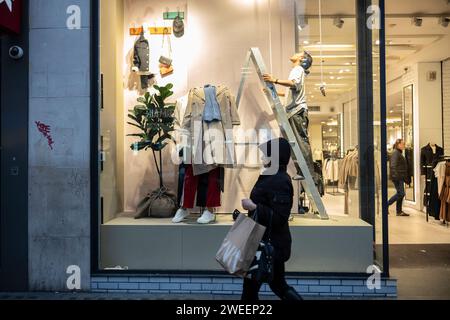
<point>180,215</point>
<point>402,214</point>
<point>207,217</point>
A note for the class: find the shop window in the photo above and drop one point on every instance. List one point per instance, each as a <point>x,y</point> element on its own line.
<point>149,48</point>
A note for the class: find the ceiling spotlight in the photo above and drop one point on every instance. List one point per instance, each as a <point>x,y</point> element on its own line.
<point>417,21</point>
<point>443,21</point>
<point>338,22</point>
<point>302,22</point>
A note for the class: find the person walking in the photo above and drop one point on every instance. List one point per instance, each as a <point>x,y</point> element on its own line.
<point>272,198</point>
<point>399,175</point>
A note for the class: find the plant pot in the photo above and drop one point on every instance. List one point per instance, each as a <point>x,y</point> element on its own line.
<point>161,203</point>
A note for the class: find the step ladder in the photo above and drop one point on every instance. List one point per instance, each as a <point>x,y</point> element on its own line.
<point>254,55</point>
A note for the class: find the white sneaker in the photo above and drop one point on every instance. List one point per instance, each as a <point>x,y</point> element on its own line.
<point>207,217</point>
<point>180,215</point>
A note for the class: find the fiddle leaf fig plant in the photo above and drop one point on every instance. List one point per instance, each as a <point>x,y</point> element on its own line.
<point>155,120</point>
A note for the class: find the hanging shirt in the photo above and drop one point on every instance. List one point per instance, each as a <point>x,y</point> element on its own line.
<point>439,173</point>
<point>296,96</point>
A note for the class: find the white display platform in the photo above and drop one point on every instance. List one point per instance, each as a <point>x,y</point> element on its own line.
<point>338,245</point>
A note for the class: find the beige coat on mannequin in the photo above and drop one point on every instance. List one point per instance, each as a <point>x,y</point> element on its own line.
<point>210,144</point>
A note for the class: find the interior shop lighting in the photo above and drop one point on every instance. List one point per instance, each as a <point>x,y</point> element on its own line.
<point>417,21</point>
<point>443,21</point>
<point>338,22</point>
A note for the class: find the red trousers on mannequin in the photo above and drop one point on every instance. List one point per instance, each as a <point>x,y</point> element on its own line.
<point>190,188</point>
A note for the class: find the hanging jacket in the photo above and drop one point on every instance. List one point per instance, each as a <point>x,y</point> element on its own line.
<point>273,195</point>
<point>210,144</point>
<point>428,158</point>
<point>141,55</point>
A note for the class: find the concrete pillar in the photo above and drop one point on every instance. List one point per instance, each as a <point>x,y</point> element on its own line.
<point>59,196</point>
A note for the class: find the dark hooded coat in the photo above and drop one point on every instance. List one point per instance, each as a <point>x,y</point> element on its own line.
<point>273,194</point>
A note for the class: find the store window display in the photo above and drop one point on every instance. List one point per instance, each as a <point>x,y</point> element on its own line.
<point>209,166</point>
<point>208,124</point>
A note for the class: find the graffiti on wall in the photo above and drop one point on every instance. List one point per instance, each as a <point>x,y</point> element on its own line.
<point>45,130</point>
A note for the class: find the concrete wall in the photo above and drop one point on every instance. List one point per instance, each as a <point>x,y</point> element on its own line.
<point>59,193</point>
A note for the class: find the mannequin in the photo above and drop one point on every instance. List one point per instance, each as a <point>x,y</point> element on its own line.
<point>210,116</point>
<point>433,147</point>
<point>296,104</point>
<point>185,172</point>
<point>429,156</point>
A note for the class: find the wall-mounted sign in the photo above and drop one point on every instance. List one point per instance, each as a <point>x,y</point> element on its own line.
<point>10,15</point>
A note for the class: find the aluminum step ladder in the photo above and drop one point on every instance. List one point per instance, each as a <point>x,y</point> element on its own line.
<point>254,55</point>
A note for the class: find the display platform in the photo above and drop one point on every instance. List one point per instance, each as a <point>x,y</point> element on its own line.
<point>340,244</point>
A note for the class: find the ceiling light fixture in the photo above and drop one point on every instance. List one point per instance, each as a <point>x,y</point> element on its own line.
<point>417,21</point>
<point>338,22</point>
<point>443,21</point>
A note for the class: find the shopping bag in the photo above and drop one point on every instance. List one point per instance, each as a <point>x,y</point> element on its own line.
<point>261,269</point>
<point>238,250</point>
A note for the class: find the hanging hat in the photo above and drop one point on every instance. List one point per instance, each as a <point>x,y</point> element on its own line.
<point>178,27</point>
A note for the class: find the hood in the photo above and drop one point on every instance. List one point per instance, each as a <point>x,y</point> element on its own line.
<point>284,150</point>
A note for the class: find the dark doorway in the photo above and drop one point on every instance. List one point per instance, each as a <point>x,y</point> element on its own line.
<point>14,161</point>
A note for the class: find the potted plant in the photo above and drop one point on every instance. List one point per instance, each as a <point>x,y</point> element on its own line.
<point>155,120</point>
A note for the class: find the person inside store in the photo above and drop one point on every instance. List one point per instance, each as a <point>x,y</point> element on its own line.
<point>272,199</point>
<point>399,175</point>
<point>296,103</point>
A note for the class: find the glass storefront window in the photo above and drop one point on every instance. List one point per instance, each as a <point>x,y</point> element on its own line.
<point>172,53</point>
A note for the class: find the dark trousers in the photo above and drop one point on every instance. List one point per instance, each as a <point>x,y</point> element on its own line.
<point>278,285</point>
<point>300,124</point>
<point>398,197</point>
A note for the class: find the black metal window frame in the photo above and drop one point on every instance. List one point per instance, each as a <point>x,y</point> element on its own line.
<point>365,109</point>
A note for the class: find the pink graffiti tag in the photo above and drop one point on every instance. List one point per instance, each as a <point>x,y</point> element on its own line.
<point>45,130</point>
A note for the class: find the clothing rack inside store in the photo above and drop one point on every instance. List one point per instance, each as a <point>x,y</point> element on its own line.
<point>333,184</point>
<point>439,159</point>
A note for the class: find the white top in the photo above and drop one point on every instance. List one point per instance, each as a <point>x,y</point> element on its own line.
<point>296,96</point>
<point>439,173</point>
